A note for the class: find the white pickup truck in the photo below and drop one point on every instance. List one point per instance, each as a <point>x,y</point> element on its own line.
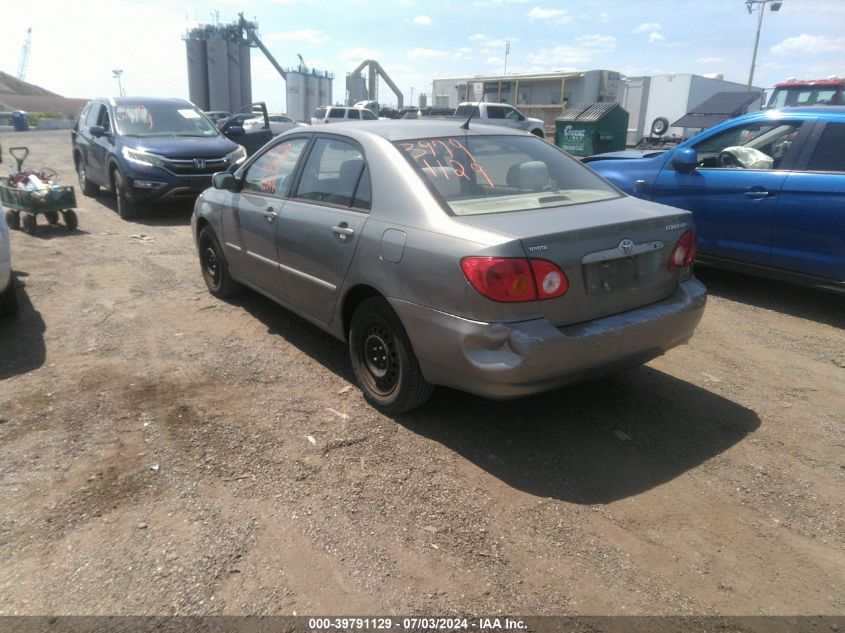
<point>501,114</point>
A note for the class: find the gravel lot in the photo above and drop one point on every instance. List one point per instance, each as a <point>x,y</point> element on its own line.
<point>156,455</point>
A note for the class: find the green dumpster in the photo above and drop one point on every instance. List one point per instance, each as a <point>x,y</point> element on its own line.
<point>585,129</point>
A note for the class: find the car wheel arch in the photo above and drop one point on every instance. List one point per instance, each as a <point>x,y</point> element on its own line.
<point>351,300</point>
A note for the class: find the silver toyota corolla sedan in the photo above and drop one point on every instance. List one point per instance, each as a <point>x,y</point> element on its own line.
<point>482,259</point>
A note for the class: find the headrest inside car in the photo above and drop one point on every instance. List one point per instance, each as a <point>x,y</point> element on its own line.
<point>532,175</point>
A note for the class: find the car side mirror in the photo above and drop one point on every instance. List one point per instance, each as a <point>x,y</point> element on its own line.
<point>685,159</point>
<point>225,180</point>
<point>235,130</point>
<point>97,131</point>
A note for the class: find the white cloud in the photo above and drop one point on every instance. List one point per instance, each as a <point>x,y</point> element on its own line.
<point>654,36</point>
<point>812,44</point>
<point>710,60</point>
<point>422,20</point>
<point>559,16</point>
<point>597,42</point>
<point>359,54</point>
<point>465,50</point>
<point>311,36</point>
<point>418,53</point>
<point>645,27</point>
<point>494,61</point>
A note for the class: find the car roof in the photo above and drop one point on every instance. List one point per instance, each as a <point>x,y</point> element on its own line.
<point>817,110</point>
<point>130,101</point>
<point>406,129</point>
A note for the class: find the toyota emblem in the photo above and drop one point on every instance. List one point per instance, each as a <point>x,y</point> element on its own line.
<point>626,246</point>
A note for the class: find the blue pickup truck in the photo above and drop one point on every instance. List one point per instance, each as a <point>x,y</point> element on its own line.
<point>767,191</point>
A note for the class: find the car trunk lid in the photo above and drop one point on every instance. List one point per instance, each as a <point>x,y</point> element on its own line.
<point>615,253</point>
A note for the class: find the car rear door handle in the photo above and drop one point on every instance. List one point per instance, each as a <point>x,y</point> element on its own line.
<point>270,215</point>
<point>343,231</point>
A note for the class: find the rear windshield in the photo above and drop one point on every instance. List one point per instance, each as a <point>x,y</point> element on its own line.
<point>498,174</point>
<point>320,113</point>
<point>162,119</point>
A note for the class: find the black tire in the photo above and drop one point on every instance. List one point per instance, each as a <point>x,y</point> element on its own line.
<point>88,188</point>
<point>383,360</point>
<point>215,268</point>
<point>9,300</point>
<point>52,217</point>
<point>13,219</point>
<point>71,221</point>
<point>126,208</point>
<point>659,126</point>
<point>28,223</point>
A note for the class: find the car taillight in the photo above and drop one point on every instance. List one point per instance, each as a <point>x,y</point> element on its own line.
<point>514,279</point>
<point>551,280</point>
<point>684,251</point>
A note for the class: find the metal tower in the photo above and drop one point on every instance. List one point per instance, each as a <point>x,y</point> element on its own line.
<point>24,61</point>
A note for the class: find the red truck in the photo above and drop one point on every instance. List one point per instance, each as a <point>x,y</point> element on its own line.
<point>793,93</point>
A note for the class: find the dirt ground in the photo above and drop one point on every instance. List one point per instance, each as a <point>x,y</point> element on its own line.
<point>156,455</point>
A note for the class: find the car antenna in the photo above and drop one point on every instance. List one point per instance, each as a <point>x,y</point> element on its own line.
<point>465,126</point>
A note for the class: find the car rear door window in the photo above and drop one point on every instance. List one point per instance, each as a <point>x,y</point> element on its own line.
<point>354,114</point>
<point>332,173</point>
<point>495,112</point>
<point>272,172</point>
<point>829,154</point>
<point>336,113</point>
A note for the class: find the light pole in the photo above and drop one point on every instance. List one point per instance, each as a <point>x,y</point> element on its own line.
<point>116,73</point>
<point>760,6</point>
<point>507,52</point>
<point>411,100</point>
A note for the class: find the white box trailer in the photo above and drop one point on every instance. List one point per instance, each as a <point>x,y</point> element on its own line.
<point>670,97</point>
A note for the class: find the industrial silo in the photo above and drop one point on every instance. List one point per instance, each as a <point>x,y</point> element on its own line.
<point>246,73</point>
<point>234,65</point>
<point>324,89</point>
<point>310,92</point>
<point>197,73</point>
<point>296,97</point>
<point>217,50</point>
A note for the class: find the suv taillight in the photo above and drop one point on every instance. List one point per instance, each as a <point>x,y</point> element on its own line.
<point>684,251</point>
<point>515,279</point>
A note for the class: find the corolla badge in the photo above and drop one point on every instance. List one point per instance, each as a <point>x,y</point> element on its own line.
<point>626,246</point>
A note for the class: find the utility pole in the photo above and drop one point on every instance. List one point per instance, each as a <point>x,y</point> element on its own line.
<point>761,7</point>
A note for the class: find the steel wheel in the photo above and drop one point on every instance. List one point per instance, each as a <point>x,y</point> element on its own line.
<point>378,350</point>
<point>214,267</point>
<point>383,359</point>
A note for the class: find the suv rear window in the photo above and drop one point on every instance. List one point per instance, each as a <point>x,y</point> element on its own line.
<point>320,113</point>
<point>498,174</point>
<point>336,113</point>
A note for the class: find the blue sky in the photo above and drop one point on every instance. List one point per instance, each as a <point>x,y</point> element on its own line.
<point>76,45</point>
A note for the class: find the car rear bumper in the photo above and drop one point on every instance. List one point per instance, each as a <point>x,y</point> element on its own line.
<point>508,360</point>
